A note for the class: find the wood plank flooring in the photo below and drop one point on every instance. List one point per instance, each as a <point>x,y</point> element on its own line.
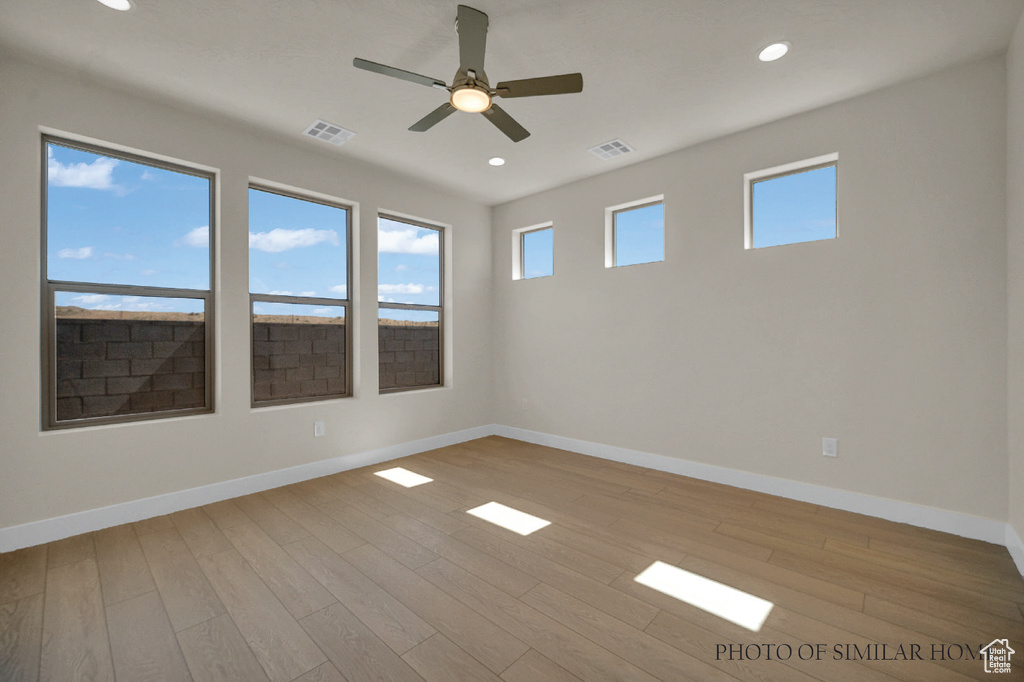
<point>352,577</point>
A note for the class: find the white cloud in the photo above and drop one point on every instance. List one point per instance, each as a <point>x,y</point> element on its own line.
<point>96,175</point>
<point>280,239</point>
<point>120,256</point>
<point>308,293</point>
<point>198,237</point>
<point>146,175</point>
<point>135,303</point>
<point>148,272</point>
<point>91,299</point>
<point>401,289</point>
<point>77,254</point>
<point>406,241</point>
<point>340,289</point>
<point>279,293</point>
<point>401,267</point>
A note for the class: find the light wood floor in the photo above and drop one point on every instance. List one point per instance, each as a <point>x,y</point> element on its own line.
<point>351,577</point>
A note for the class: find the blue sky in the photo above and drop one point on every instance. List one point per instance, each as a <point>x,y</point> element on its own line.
<point>408,266</point>
<point>640,235</point>
<point>539,253</point>
<point>111,221</point>
<point>795,208</point>
<point>297,248</point>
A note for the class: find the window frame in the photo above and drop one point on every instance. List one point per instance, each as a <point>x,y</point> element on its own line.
<point>346,303</point>
<point>611,214</point>
<point>439,308</point>
<point>49,288</point>
<point>781,171</point>
<point>519,250</point>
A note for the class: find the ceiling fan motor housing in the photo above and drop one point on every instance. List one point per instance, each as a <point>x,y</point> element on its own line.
<point>470,93</point>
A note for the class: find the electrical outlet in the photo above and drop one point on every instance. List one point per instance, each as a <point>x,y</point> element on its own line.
<point>830,447</point>
<point>318,429</point>
<point>524,404</point>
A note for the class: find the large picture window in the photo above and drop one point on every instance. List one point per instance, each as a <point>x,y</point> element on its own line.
<point>299,256</point>
<point>410,296</point>
<point>127,272</point>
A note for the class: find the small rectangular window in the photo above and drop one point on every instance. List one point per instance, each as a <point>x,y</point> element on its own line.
<point>538,253</point>
<point>298,291</point>
<point>635,233</point>
<point>533,251</point>
<point>127,305</point>
<point>792,204</point>
<point>410,257</point>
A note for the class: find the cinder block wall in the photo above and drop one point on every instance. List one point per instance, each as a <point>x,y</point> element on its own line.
<point>408,354</point>
<point>110,366</point>
<point>293,360</point>
<point>123,366</point>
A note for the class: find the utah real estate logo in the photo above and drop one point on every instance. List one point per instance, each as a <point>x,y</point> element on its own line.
<point>997,656</point>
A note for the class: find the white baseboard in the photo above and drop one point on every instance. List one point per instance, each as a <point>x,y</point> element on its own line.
<point>48,530</point>
<point>964,525</point>
<point>1016,547</point>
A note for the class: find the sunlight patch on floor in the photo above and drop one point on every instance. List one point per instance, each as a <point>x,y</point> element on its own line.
<point>509,518</point>
<point>735,606</point>
<point>403,477</point>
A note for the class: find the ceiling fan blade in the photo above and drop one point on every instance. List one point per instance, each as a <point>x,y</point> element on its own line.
<point>398,73</point>
<point>506,124</point>
<point>472,27</point>
<point>549,85</point>
<point>433,118</point>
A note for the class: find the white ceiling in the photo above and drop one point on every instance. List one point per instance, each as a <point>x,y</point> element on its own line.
<point>659,74</point>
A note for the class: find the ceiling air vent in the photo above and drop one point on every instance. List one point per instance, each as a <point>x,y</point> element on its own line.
<point>329,132</point>
<point>609,150</point>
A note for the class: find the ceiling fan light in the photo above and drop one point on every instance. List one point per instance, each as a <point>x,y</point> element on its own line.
<point>470,99</point>
<point>119,5</point>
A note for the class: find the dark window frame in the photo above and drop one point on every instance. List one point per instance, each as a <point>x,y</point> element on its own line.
<point>439,308</point>
<point>345,303</point>
<point>49,288</point>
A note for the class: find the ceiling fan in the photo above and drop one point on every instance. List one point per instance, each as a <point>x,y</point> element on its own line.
<point>470,90</point>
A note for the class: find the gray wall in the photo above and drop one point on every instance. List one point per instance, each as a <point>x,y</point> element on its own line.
<point>891,338</point>
<point>48,474</point>
<point>1015,264</point>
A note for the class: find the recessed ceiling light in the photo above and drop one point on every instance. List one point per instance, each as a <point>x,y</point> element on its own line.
<point>119,5</point>
<point>497,161</point>
<point>773,52</point>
